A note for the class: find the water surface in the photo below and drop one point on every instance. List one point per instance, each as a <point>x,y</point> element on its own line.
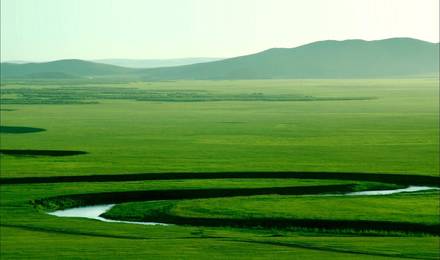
<point>388,192</point>
<point>94,212</point>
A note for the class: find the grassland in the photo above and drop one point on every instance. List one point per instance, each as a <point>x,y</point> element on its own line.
<point>397,132</point>
<point>27,232</point>
<point>391,209</point>
<point>203,128</point>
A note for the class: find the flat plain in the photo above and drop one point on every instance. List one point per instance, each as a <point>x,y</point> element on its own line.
<point>343,130</point>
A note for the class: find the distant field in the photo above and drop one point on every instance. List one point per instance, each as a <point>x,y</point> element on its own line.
<point>216,133</point>
<point>284,125</point>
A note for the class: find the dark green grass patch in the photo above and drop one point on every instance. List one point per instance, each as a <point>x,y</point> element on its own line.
<point>68,201</point>
<point>54,153</point>
<point>19,129</point>
<point>91,95</point>
<point>398,179</point>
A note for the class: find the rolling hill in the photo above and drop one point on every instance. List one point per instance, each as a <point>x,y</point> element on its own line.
<point>154,63</point>
<point>326,59</point>
<point>62,69</point>
<point>396,57</point>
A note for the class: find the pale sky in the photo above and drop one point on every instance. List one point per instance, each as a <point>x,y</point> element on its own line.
<point>41,30</point>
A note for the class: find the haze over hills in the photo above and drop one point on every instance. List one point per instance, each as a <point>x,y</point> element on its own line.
<point>395,57</point>
<point>61,69</point>
<point>139,63</point>
<point>154,63</point>
<point>325,59</point>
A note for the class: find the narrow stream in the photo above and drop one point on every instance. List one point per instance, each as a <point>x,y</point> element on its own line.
<point>388,192</point>
<point>95,212</point>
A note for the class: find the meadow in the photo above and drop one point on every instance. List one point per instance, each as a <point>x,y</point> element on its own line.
<point>229,137</point>
<point>397,132</point>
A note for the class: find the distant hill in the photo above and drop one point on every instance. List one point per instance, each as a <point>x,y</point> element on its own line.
<point>62,69</point>
<point>17,61</point>
<point>325,59</point>
<point>50,75</point>
<point>154,63</point>
<point>396,57</point>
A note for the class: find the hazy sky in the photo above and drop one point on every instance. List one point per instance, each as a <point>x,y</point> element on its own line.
<point>40,30</point>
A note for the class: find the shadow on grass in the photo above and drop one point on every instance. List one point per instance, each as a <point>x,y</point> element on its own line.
<point>55,153</point>
<point>338,226</point>
<point>76,200</point>
<point>401,179</point>
<point>19,129</point>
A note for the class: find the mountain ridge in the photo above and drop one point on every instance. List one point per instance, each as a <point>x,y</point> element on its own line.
<point>155,63</point>
<point>353,58</point>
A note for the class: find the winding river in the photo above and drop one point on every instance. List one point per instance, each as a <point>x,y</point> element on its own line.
<point>95,212</point>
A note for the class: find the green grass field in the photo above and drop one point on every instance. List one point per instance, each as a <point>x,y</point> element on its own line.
<point>393,208</point>
<point>397,132</point>
<point>384,127</point>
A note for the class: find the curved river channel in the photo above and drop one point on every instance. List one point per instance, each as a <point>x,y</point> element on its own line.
<point>95,212</point>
